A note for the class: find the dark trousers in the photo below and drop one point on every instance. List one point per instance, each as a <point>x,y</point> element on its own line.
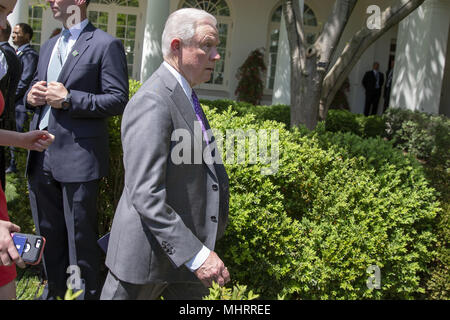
<point>66,215</point>
<point>372,101</point>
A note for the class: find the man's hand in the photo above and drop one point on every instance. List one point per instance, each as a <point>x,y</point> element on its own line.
<point>36,140</point>
<point>56,92</point>
<point>8,251</point>
<point>38,94</point>
<point>211,270</point>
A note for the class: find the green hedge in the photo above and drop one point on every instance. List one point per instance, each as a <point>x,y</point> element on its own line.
<point>345,121</point>
<point>338,204</point>
<point>312,230</point>
<point>279,113</point>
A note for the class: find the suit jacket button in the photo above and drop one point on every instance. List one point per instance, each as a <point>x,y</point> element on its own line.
<point>213,219</point>
<point>215,187</point>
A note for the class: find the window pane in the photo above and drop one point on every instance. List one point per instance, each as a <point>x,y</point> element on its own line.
<point>215,7</point>
<point>276,17</point>
<point>309,18</point>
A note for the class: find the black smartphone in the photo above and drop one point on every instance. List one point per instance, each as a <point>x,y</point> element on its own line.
<point>29,246</point>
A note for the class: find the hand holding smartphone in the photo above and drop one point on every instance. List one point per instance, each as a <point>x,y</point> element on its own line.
<point>29,246</point>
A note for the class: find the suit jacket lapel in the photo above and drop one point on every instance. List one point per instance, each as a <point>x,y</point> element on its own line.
<point>78,49</point>
<point>184,106</point>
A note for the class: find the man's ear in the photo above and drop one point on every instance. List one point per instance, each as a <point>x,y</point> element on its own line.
<point>175,46</point>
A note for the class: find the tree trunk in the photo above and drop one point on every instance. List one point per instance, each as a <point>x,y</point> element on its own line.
<point>314,82</point>
<point>309,66</point>
<point>357,46</point>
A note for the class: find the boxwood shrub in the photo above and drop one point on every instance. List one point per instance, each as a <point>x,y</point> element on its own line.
<point>311,230</point>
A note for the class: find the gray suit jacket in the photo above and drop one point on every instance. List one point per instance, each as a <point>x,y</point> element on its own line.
<point>167,211</point>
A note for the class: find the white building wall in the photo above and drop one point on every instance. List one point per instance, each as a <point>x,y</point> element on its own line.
<point>420,62</point>
<point>249,32</point>
<point>445,93</point>
<point>379,51</point>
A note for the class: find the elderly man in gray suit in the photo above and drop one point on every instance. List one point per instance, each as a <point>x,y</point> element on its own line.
<point>171,212</point>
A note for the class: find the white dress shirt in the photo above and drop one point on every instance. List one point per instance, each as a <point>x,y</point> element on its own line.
<point>3,65</point>
<point>201,256</point>
<point>20,49</point>
<point>75,32</point>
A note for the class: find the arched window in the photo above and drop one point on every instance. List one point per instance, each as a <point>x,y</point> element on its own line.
<point>124,3</point>
<point>221,11</point>
<point>35,14</point>
<point>122,19</point>
<point>311,32</point>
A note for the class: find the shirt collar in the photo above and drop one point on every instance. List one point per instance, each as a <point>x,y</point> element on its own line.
<point>23,47</point>
<point>75,30</point>
<point>181,80</point>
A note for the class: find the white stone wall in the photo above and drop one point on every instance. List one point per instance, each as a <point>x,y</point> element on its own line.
<point>420,62</point>
<point>445,92</point>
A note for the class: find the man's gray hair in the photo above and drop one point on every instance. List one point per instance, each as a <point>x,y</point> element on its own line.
<point>182,24</point>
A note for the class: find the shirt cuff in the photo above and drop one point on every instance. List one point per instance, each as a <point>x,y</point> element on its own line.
<point>198,259</point>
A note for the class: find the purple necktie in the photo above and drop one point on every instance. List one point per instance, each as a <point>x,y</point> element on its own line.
<point>200,115</point>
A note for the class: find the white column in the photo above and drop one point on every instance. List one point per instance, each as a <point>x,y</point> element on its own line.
<point>157,14</point>
<point>420,59</point>
<point>282,83</point>
<point>19,14</point>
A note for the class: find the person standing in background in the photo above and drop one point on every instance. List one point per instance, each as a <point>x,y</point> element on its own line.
<point>34,140</point>
<point>373,83</point>
<point>21,37</point>
<point>81,80</point>
<point>8,87</point>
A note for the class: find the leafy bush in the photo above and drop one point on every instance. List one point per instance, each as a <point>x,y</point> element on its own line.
<point>311,230</point>
<point>337,204</point>
<point>18,203</point>
<point>345,121</point>
<point>279,112</point>
<point>425,136</point>
<point>238,292</point>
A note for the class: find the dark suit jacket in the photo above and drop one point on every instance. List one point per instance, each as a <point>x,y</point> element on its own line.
<point>29,61</point>
<point>9,84</point>
<point>369,81</point>
<point>96,75</point>
<point>167,210</point>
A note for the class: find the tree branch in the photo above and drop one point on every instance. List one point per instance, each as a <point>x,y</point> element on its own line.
<point>333,30</point>
<point>295,31</point>
<point>358,44</point>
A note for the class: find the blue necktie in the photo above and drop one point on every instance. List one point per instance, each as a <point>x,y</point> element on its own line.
<point>200,115</point>
<point>55,66</point>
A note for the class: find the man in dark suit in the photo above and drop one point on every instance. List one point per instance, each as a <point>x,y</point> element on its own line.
<point>28,57</point>
<point>81,80</point>
<point>373,82</point>
<point>21,37</point>
<point>170,213</point>
<point>8,86</point>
